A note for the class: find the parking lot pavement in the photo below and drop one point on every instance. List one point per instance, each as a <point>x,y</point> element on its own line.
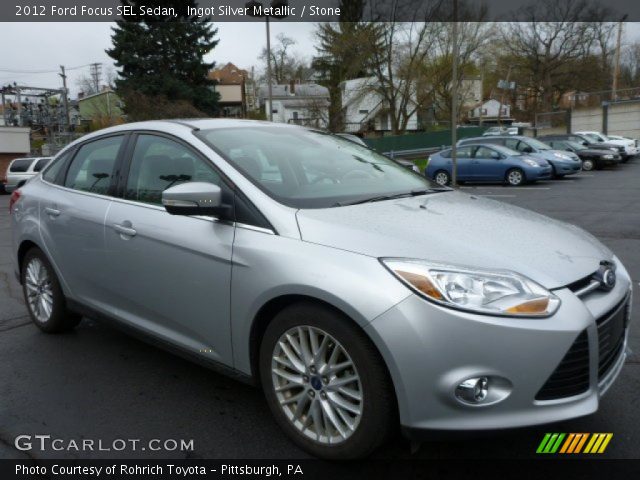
<point>99,383</point>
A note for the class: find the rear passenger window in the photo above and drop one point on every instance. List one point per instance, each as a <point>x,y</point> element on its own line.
<point>51,173</point>
<point>159,163</point>
<point>92,168</point>
<point>21,166</point>
<point>40,164</point>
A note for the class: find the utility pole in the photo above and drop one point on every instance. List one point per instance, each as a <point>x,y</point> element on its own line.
<point>269,86</point>
<point>65,97</point>
<point>616,67</point>
<point>454,97</point>
<point>95,75</point>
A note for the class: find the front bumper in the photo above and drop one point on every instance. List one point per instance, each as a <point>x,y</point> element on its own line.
<point>430,349</point>
<point>567,168</point>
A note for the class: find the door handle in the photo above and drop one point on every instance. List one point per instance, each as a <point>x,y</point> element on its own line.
<point>124,230</point>
<point>52,212</point>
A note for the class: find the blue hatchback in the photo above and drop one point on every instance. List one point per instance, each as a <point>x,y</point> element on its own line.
<point>488,163</point>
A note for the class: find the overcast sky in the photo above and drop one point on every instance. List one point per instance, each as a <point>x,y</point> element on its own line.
<point>45,46</point>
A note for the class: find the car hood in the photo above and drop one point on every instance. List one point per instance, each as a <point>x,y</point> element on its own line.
<point>550,156</point>
<point>459,229</point>
<point>597,152</point>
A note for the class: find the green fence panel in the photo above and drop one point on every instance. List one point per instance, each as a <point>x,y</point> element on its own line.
<point>414,141</point>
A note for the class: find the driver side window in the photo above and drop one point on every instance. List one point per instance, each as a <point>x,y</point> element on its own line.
<point>159,163</point>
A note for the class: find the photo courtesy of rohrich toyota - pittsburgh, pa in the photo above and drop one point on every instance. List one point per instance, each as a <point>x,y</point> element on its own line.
<point>319,239</point>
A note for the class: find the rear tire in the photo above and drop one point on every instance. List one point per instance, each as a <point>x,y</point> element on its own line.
<point>43,296</point>
<point>588,164</point>
<point>515,177</point>
<point>341,414</point>
<point>442,177</point>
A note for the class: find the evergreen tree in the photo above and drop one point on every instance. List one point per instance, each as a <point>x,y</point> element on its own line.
<point>163,56</point>
<point>344,52</point>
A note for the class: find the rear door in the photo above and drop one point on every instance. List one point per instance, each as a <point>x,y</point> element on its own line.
<point>487,165</point>
<point>170,275</point>
<point>464,163</point>
<point>72,216</point>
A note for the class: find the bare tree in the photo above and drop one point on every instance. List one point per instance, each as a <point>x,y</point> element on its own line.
<point>403,48</point>
<point>286,65</point>
<point>546,53</point>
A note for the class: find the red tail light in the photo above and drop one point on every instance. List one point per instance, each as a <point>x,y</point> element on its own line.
<point>15,196</point>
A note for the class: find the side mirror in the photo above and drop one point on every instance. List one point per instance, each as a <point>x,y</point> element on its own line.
<point>195,198</point>
<point>527,149</point>
<point>496,156</point>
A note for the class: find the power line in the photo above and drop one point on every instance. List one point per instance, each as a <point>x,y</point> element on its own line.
<point>36,72</point>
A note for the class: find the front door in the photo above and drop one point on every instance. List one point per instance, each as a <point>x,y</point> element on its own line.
<point>171,275</point>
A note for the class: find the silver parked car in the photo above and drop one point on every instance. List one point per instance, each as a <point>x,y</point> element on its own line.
<point>357,293</point>
<point>20,170</point>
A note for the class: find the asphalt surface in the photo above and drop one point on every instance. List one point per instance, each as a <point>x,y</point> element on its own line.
<point>98,383</point>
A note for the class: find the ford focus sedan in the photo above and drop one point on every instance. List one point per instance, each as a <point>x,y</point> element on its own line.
<point>487,163</point>
<point>360,296</point>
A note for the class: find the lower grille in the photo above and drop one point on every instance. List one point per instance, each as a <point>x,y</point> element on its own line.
<point>571,376</point>
<point>611,333</point>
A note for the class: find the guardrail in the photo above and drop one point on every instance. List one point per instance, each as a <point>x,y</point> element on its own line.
<point>414,153</point>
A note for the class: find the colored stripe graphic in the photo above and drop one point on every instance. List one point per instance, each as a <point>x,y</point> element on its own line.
<point>550,443</point>
<point>573,443</point>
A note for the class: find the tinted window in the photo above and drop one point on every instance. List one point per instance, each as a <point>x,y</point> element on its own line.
<point>40,164</point>
<point>304,168</point>
<point>51,173</point>
<point>512,143</point>
<point>20,166</point>
<point>92,168</point>
<point>159,163</point>
<point>484,152</point>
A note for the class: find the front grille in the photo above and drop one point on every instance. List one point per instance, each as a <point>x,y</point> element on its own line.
<point>571,376</point>
<point>580,284</point>
<point>611,333</point>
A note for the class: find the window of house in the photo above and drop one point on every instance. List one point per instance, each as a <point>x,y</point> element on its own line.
<point>364,112</point>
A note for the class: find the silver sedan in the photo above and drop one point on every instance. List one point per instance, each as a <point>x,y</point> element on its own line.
<point>361,296</point>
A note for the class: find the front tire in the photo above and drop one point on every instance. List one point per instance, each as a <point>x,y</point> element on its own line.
<point>515,177</point>
<point>325,383</point>
<point>588,164</point>
<point>442,178</point>
<point>43,296</point>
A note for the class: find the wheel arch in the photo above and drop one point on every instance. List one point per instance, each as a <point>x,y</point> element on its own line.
<point>271,308</point>
<point>24,247</point>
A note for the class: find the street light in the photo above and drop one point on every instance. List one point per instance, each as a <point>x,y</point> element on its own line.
<point>276,5</point>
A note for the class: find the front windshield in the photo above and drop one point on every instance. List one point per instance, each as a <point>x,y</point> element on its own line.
<point>597,138</point>
<point>576,146</point>
<point>304,168</point>
<point>537,144</point>
<point>506,151</point>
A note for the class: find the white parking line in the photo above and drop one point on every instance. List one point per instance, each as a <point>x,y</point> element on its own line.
<point>491,195</point>
<point>510,188</point>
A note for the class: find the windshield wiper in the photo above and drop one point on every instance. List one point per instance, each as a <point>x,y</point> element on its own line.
<point>380,198</point>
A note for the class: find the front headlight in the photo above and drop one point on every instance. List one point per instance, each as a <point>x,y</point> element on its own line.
<point>562,156</point>
<point>533,163</point>
<point>607,157</point>
<point>497,293</point>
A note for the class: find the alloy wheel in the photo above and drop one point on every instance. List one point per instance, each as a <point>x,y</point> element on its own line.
<point>39,290</point>
<point>587,165</point>
<point>442,178</point>
<point>514,177</point>
<point>317,385</point>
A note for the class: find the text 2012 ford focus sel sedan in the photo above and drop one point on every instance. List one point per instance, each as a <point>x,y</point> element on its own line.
<point>357,293</point>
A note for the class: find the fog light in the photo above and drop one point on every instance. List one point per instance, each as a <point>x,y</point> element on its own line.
<point>473,390</point>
